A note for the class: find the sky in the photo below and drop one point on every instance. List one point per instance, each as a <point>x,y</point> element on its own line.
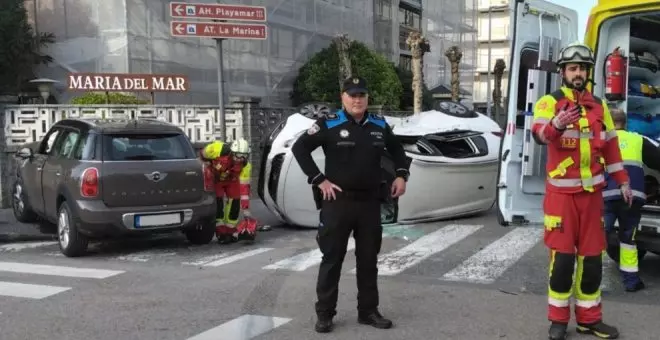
<point>583,7</point>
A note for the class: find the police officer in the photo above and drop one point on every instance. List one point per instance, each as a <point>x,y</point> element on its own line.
<point>635,151</point>
<point>349,191</point>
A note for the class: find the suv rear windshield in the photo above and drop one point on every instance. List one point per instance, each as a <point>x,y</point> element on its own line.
<point>146,147</point>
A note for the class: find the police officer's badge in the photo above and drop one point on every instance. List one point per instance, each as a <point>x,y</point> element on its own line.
<point>343,133</point>
<point>356,81</point>
<point>313,129</point>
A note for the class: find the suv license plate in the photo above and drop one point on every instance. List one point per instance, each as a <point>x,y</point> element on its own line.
<point>157,220</point>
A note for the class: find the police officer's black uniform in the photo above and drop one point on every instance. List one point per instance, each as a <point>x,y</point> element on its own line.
<point>353,151</point>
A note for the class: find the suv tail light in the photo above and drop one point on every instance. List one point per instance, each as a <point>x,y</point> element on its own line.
<point>89,183</point>
<point>208,178</point>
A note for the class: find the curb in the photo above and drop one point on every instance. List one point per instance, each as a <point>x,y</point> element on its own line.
<point>17,237</point>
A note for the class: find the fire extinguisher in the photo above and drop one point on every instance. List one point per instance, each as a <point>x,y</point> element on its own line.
<point>615,76</point>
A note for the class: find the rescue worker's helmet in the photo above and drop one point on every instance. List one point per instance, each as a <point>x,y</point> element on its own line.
<point>576,53</point>
<point>240,148</point>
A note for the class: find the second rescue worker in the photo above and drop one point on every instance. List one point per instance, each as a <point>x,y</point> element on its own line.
<point>354,142</point>
<point>581,141</point>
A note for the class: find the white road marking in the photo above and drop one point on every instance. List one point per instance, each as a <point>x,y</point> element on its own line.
<point>206,259</point>
<point>397,261</point>
<point>145,255</point>
<point>244,327</point>
<point>242,255</point>
<point>24,245</point>
<point>42,269</point>
<point>30,291</point>
<point>302,262</point>
<point>492,261</point>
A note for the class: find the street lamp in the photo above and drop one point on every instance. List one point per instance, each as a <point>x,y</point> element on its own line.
<point>45,86</point>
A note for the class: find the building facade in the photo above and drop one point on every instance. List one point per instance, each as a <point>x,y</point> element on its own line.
<point>494,14</point>
<point>133,36</point>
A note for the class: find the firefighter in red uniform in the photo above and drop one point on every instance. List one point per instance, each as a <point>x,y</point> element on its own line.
<point>231,170</point>
<point>581,142</point>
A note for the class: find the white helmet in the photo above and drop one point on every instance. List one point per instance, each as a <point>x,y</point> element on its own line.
<point>240,146</point>
<point>576,53</point>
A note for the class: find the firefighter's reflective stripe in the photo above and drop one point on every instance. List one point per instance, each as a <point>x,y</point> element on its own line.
<point>628,261</point>
<point>560,170</point>
<point>578,134</point>
<point>575,182</point>
<point>585,153</point>
<point>541,120</point>
<point>614,167</point>
<point>551,222</point>
<point>582,299</point>
<point>557,299</point>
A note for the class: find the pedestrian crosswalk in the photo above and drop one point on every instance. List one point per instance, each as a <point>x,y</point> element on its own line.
<point>30,290</point>
<point>476,254</point>
<point>244,327</point>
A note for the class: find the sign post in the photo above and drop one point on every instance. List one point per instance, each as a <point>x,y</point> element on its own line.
<point>220,28</point>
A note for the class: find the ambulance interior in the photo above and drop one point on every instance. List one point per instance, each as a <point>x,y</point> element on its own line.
<point>522,173</point>
<point>638,38</point>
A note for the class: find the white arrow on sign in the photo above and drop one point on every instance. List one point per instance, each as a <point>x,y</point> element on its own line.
<point>178,9</point>
<point>178,28</point>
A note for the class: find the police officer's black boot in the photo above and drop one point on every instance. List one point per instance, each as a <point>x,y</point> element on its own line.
<point>557,331</point>
<point>599,329</point>
<point>632,282</point>
<point>636,287</point>
<point>375,319</point>
<point>324,323</point>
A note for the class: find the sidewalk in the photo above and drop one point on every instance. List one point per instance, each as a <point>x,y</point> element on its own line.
<point>14,231</point>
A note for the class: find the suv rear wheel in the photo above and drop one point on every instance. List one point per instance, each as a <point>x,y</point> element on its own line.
<point>202,233</point>
<point>72,242</point>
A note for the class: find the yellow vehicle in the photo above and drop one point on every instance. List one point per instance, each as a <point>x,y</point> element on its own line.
<point>540,29</point>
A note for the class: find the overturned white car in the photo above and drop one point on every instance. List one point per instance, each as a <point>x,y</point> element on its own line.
<point>454,161</point>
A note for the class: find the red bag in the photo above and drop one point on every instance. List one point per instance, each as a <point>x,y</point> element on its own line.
<point>248,225</point>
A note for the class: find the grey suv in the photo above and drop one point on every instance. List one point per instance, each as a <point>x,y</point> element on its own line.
<point>102,178</point>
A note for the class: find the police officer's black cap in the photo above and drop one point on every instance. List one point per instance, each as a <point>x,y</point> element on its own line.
<point>355,85</point>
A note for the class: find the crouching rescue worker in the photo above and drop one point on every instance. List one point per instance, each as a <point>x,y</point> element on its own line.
<point>231,170</point>
<point>578,130</point>
<point>635,151</point>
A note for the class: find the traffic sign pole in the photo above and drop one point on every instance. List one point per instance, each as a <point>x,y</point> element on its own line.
<point>219,30</point>
<point>221,89</point>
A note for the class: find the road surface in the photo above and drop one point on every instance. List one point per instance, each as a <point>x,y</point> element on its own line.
<point>463,279</point>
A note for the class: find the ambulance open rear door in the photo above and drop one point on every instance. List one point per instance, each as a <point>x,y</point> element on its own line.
<point>540,29</point>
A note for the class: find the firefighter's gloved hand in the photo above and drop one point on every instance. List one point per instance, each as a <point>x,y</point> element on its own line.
<point>627,194</point>
<point>566,117</point>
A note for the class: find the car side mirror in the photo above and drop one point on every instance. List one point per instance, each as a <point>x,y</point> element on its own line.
<point>25,153</point>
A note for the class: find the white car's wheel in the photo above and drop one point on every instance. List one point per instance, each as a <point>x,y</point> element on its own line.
<point>72,243</point>
<point>315,110</point>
